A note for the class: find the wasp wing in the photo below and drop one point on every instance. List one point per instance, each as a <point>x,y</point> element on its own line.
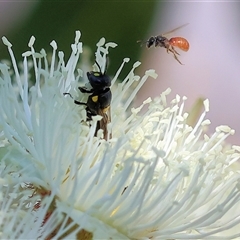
<point>175,29</point>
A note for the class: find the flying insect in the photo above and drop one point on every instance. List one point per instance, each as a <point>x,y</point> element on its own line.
<point>99,100</point>
<point>169,44</point>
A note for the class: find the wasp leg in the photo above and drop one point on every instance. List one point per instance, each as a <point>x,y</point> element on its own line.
<point>174,50</point>
<point>175,53</point>
<point>168,48</point>
<point>175,56</point>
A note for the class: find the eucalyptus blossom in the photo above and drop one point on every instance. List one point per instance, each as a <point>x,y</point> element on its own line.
<point>156,178</point>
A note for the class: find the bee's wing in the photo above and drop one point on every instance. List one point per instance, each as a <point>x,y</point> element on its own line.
<point>175,29</point>
<point>102,124</point>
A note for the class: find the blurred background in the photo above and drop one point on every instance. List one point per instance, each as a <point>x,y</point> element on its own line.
<point>123,22</point>
<point>211,66</point>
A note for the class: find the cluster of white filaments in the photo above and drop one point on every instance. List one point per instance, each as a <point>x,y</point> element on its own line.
<point>157,178</point>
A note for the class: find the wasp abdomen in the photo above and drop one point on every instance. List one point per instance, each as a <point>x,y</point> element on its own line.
<point>179,42</point>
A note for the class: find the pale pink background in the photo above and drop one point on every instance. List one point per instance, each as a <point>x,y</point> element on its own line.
<point>212,65</point>
<point>13,13</point>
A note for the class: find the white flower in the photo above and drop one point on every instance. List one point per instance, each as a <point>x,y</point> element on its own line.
<point>157,178</point>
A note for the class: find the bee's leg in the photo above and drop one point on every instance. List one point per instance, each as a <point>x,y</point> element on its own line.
<point>89,114</point>
<point>84,90</point>
<point>68,94</point>
<point>75,101</point>
<point>80,103</point>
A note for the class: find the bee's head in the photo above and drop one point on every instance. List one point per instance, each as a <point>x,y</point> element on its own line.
<point>99,80</point>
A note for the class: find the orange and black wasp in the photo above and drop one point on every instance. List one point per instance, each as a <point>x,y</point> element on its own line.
<point>99,100</point>
<point>169,44</point>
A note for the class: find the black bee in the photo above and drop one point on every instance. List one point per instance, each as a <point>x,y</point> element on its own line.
<point>99,101</point>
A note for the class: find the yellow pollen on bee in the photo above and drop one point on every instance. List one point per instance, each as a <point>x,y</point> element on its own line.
<point>95,98</point>
<point>105,109</point>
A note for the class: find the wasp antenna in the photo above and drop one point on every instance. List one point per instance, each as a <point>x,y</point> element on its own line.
<point>141,42</point>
